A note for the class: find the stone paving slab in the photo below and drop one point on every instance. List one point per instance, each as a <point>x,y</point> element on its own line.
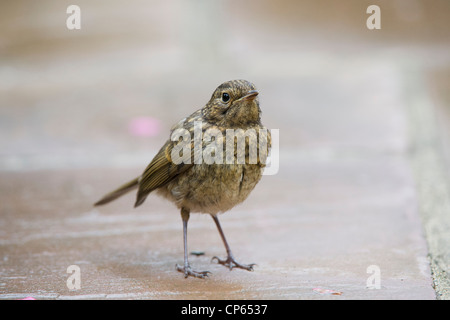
<point>299,241</point>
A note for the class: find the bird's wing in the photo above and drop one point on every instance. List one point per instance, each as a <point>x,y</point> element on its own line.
<point>160,171</point>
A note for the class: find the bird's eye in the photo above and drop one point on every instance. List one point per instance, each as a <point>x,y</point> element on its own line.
<point>225,97</point>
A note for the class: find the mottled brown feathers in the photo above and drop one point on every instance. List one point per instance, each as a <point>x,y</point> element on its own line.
<point>208,188</point>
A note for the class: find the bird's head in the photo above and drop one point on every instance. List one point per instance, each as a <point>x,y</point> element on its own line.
<point>233,104</point>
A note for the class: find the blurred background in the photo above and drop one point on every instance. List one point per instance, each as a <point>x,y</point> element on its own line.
<point>82,111</point>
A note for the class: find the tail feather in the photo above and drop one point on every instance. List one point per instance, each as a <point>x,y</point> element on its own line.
<point>119,192</point>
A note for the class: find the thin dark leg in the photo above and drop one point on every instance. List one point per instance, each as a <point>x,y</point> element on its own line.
<point>229,262</point>
<point>187,268</point>
<point>185,225</point>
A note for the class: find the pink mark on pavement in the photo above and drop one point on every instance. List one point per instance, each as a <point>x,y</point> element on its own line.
<point>144,127</point>
<point>28,298</point>
<point>327,291</point>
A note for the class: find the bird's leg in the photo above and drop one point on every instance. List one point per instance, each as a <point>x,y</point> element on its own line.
<point>229,261</point>
<point>186,269</point>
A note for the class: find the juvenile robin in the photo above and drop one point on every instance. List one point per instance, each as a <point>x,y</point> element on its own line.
<point>201,177</point>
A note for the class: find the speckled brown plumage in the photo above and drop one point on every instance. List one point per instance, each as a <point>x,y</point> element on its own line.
<point>203,187</point>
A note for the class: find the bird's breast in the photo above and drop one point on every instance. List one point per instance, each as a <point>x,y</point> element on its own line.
<point>213,188</point>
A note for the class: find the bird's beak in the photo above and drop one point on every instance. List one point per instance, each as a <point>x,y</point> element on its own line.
<point>250,95</point>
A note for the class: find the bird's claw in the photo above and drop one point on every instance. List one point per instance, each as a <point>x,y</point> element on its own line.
<point>230,263</point>
<point>189,272</point>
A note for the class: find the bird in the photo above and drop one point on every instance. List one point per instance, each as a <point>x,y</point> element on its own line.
<point>192,171</point>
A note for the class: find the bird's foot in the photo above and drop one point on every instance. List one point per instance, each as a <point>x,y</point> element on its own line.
<point>230,263</point>
<point>189,272</point>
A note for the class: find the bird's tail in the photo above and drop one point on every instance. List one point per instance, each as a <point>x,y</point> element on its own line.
<point>119,192</point>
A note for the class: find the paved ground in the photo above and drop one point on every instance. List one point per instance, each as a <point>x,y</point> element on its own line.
<point>363,119</point>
